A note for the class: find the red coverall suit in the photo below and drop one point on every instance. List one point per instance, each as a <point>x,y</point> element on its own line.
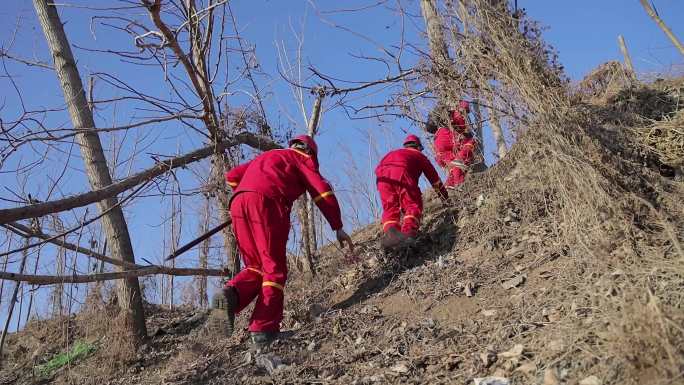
<point>264,191</point>
<point>454,145</point>
<point>397,180</point>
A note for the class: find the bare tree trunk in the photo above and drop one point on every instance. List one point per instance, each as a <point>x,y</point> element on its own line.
<point>222,193</point>
<point>441,62</point>
<point>479,161</point>
<point>221,164</point>
<point>307,216</point>
<point>312,130</point>
<point>202,295</point>
<point>435,32</point>
<point>113,223</point>
<point>628,59</point>
<point>307,261</point>
<point>652,13</point>
<point>497,132</point>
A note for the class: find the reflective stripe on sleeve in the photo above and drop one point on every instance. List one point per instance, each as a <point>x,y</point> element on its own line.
<point>323,195</point>
<point>273,284</point>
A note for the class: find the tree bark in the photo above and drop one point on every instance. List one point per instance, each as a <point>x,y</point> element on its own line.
<point>652,13</point>
<point>114,224</point>
<point>497,132</point>
<point>479,164</point>
<point>312,130</point>
<point>628,59</point>
<point>435,31</point>
<point>305,205</point>
<point>441,61</point>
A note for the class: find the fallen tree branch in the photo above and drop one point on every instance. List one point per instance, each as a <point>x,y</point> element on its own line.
<point>74,201</point>
<point>27,232</point>
<point>147,270</point>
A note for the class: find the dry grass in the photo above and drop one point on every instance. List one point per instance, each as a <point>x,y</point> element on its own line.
<point>665,138</point>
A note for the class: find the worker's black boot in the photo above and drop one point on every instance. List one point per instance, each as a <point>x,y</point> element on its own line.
<point>222,315</point>
<point>261,340</point>
<point>392,238</point>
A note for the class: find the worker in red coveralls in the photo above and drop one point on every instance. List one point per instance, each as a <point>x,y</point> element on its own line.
<point>264,191</point>
<point>454,145</point>
<point>397,180</point>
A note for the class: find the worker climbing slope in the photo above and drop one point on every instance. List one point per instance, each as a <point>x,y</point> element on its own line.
<point>397,180</point>
<point>264,192</point>
<point>455,144</point>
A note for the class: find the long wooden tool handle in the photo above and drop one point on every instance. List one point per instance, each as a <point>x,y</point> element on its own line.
<point>198,240</point>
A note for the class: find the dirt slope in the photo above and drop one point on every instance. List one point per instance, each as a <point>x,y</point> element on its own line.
<point>494,290</point>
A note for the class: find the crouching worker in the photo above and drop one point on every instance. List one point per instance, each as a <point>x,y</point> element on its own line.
<point>264,192</point>
<point>397,179</point>
<point>454,145</point>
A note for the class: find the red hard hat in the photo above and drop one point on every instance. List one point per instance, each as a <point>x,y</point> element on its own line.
<point>306,139</point>
<point>412,138</point>
<point>465,105</point>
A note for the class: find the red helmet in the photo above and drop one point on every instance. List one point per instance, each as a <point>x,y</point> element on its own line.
<point>465,105</point>
<point>306,139</point>
<point>413,139</point>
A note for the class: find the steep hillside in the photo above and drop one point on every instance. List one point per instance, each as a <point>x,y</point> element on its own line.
<point>553,268</point>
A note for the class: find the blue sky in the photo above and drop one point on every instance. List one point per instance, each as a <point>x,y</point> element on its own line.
<point>584,33</point>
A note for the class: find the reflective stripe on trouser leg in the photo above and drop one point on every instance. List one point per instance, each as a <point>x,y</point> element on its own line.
<point>391,210</point>
<point>412,204</point>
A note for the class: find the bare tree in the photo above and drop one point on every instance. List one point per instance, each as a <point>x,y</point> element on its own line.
<point>497,132</point>
<point>114,223</point>
<point>661,24</point>
<point>629,68</point>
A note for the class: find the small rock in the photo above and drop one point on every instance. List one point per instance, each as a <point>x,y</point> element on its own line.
<point>591,380</point>
<point>359,340</point>
<point>248,357</point>
<point>514,282</point>
<point>550,377</point>
<point>401,368</point>
<point>489,313</point>
<point>553,316</point>
<point>488,358</point>
<point>311,346</point>
<point>492,381</point>
<point>515,251</point>
<point>269,362</point>
<point>555,345</point>
<point>373,262</point>
<point>480,200</point>
<point>315,310</point>
<point>515,351</point>
<point>527,368</point>
<point>468,289</point>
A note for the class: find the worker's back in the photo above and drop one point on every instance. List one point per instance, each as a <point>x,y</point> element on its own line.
<point>403,165</point>
<point>277,175</point>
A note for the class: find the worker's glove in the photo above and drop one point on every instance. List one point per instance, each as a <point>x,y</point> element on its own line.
<point>343,238</point>
<point>459,164</point>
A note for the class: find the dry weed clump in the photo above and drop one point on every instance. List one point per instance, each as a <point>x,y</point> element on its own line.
<point>604,82</point>
<point>601,200</point>
<point>665,138</point>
